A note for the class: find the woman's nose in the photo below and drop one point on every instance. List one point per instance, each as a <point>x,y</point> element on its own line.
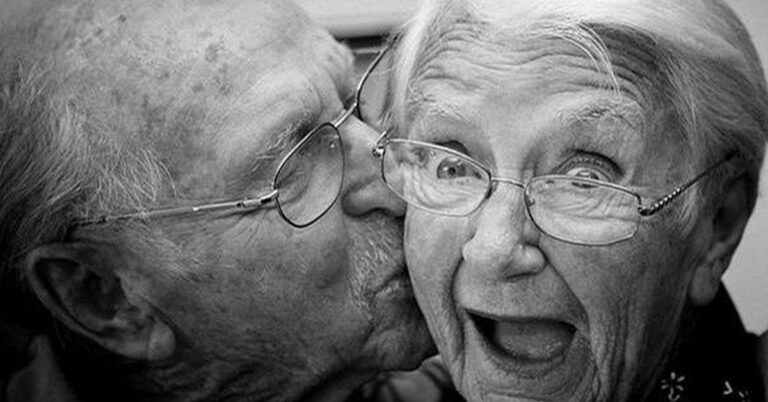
<point>364,189</point>
<point>504,245</point>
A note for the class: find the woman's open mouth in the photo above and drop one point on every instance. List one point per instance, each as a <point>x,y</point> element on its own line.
<point>528,339</point>
<point>529,347</point>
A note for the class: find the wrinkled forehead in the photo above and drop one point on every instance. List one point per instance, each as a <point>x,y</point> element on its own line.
<point>475,59</point>
<point>151,46</point>
<point>259,33</point>
<point>194,80</point>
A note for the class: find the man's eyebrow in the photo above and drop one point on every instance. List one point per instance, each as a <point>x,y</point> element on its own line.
<point>260,167</point>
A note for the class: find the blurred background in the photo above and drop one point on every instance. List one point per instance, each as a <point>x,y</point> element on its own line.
<point>362,22</point>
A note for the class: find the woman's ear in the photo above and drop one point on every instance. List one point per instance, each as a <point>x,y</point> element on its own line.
<point>85,287</point>
<point>726,222</point>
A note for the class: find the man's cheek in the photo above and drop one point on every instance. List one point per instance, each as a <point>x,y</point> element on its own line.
<point>327,265</point>
<point>321,252</point>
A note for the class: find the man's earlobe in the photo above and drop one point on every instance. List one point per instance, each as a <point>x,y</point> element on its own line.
<point>726,222</point>
<point>83,286</point>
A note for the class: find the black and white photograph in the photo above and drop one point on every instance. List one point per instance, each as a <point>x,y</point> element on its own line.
<point>383,200</point>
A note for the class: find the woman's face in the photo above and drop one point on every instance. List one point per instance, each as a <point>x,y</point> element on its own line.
<point>516,314</point>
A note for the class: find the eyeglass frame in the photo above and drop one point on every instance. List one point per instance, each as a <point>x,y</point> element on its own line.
<point>644,211</point>
<point>654,207</point>
<point>255,203</point>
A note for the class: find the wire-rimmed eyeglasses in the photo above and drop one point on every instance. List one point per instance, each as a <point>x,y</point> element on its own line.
<point>444,181</point>
<point>305,185</point>
<point>569,208</point>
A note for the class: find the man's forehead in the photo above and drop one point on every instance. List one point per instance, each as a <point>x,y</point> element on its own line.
<point>178,29</point>
<point>195,79</point>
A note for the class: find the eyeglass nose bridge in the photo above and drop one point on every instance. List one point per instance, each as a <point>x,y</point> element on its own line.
<point>529,200</point>
<point>381,142</point>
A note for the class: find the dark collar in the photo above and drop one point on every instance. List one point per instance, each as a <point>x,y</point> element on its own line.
<point>717,361</point>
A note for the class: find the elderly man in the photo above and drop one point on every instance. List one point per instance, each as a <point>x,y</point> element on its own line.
<point>189,208</point>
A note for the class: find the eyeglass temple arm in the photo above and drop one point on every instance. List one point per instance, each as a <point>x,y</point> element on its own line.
<point>370,68</point>
<point>662,202</point>
<point>251,203</point>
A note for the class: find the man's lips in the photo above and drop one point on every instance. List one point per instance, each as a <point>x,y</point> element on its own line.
<point>398,286</point>
<point>528,340</point>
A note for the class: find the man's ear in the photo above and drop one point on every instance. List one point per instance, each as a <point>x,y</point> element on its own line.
<point>725,222</point>
<point>84,286</point>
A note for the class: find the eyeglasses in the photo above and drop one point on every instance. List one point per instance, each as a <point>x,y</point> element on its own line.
<point>443,181</point>
<point>568,208</point>
<point>306,183</point>
<point>372,96</point>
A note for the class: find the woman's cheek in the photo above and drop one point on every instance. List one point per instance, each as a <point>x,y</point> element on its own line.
<point>433,253</point>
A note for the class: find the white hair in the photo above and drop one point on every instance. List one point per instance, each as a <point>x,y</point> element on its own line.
<point>717,88</point>
<point>57,166</point>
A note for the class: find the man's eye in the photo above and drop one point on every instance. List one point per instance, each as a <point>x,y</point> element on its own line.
<point>292,178</point>
<point>327,144</point>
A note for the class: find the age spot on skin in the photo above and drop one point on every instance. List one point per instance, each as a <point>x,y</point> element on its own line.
<point>212,52</point>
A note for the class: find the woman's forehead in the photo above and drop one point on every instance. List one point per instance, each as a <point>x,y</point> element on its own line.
<point>546,113</point>
<point>465,76</point>
<point>484,58</point>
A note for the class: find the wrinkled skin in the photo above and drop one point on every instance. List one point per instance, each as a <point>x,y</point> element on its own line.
<point>518,315</point>
<point>248,307</point>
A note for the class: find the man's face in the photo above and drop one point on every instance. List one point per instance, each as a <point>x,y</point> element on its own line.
<point>277,308</point>
<point>516,314</point>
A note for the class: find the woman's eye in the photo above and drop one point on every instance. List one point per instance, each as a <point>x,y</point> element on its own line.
<point>591,166</point>
<point>452,168</point>
<point>587,173</point>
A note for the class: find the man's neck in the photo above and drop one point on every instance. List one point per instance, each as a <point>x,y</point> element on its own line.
<point>192,379</point>
<point>337,389</point>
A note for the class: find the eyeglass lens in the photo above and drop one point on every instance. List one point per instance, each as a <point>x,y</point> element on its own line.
<point>572,209</point>
<point>579,211</point>
<point>374,95</point>
<point>434,179</point>
<point>310,179</point>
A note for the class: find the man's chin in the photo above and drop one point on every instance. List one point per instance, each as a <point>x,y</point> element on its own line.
<point>403,340</point>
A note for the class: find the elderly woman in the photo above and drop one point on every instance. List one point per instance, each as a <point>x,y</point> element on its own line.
<point>579,173</point>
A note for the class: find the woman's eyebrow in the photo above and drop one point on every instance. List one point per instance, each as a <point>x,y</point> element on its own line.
<point>605,125</point>
<point>627,112</point>
<point>431,107</point>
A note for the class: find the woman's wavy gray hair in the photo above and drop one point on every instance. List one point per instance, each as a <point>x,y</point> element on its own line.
<point>703,54</point>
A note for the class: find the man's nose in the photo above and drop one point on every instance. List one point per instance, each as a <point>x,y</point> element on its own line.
<point>504,245</point>
<point>364,189</point>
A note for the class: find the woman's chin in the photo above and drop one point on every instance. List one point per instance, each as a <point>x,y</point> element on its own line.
<point>516,358</point>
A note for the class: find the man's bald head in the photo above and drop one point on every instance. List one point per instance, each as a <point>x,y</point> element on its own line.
<point>144,75</point>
